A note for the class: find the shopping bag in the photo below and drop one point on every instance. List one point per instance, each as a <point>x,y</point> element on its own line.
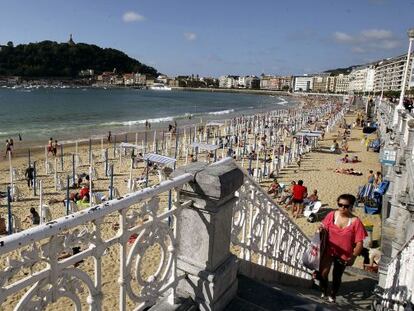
<point>311,257</point>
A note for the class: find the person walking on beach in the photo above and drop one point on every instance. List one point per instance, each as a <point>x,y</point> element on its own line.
<point>8,148</point>
<point>11,144</point>
<point>20,137</point>
<point>50,146</point>
<point>345,242</point>
<point>29,175</point>
<point>54,148</point>
<point>109,136</point>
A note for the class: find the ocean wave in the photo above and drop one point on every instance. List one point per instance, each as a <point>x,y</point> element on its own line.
<point>221,112</point>
<point>283,101</point>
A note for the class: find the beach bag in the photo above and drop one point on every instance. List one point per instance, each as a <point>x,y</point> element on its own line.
<point>312,256</point>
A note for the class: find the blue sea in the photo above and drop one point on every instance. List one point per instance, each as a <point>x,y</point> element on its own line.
<point>75,113</point>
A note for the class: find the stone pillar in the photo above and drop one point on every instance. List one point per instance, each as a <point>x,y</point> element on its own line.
<point>204,230</point>
<point>410,142</point>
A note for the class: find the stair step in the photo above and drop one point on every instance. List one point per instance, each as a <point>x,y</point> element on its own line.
<point>263,297</point>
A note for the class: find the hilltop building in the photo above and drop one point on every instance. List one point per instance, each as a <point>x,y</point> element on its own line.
<point>71,42</point>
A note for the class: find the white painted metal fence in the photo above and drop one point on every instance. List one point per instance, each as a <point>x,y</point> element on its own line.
<point>34,260</point>
<point>265,234</point>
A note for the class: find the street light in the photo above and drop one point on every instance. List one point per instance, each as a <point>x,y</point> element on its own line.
<point>400,105</point>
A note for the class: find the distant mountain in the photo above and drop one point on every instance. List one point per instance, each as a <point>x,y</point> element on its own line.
<point>52,59</point>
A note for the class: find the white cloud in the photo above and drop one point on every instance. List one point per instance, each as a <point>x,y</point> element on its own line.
<point>368,40</point>
<point>342,37</point>
<point>190,36</point>
<point>131,16</point>
<point>377,34</point>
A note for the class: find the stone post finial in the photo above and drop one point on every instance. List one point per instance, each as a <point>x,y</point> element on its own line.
<point>204,232</point>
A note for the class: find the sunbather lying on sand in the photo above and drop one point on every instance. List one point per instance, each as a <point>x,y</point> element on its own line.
<point>348,171</point>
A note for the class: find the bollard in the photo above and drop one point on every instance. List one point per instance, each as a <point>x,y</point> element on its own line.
<point>9,212</point>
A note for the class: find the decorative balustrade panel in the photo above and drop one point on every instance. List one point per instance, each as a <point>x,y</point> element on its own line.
<point>63,260</point>
<point>264,234</point>
<point>399,284</point>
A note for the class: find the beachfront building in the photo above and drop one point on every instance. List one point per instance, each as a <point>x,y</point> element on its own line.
<point>321,83</point>
<point>303,83</point>
<point>228,82</point>
<point>129,79</point>
<point>389,74</point>
<point>275,83</point>
<point>140,79</point>
<point>361,79</point>
<point>341,83</point>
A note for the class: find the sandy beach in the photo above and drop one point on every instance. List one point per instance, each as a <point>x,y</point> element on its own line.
<point>317,171</point>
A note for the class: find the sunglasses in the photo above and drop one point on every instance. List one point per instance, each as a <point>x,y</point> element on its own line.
<point>343,205</point>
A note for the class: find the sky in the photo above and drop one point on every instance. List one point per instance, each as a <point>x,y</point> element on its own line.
<point>219,37</point>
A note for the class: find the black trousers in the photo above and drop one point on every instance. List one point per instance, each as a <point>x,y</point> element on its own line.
<point>337,272</point>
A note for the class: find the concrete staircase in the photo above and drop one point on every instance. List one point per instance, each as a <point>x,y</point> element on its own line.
<point>356,293</point>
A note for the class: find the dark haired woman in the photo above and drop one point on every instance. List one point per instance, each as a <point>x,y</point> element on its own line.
<point>345,236</point>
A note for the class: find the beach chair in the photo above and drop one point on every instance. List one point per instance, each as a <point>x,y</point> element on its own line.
<point>17,174</point>
<point>15,193</point>
<point>59,184</point>
<point>47,215</point>
<point>312,208</point>
<point>49,167</point>
<point>98,198</point>
<point>103,155</point>
<point>78,160</point>
<point>115,193</point>
<point>73,208</point>
<point>132,185</point>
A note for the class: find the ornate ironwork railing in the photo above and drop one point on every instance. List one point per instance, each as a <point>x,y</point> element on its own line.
<point>398,292</point>
<point>265,234</point>
<point>63,258</point>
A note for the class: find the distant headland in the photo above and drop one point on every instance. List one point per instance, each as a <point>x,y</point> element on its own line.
<point>65,60</point>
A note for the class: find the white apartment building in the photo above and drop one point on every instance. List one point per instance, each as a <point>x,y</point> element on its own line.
<point>342,83</point>
<point>228,82</point>
<point>303,84</point>
<point>361,79</point>
<point>241,82</point>
<point>389,74</point>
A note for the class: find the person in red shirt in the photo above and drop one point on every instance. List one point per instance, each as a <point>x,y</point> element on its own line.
<point>345,237</point>
<point>84,192</point>
<point>299,193</point>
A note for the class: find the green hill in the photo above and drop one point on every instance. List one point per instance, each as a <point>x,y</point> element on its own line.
<point>52,59</point>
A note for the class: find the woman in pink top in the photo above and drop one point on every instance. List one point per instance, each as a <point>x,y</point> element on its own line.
<point>345,236</point>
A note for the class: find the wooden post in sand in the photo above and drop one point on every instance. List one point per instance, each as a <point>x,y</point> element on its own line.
<point>136,139</point>
<point>34,177</point>
<point>111,185</point>
<point>114,145</point>
<point>41,201</point>
<point>10,169</point>
<point>46,160</point>
<point>106,162</point>
<point>67,195</point>
<point>90,185</point>
<point>73,169</point>
<point>30,162</point>
<point>90,151</point>
<point>61,157</point>
<point>9,212</point>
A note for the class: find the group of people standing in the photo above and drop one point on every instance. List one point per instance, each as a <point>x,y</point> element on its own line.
<point>52,146</point>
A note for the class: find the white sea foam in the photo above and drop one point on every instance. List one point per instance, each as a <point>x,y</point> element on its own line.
<point>221,112</point>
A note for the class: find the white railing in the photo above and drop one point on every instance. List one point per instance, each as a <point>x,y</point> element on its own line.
<point>399,283</point>
<point>43,264</point>
<point>264,234</point>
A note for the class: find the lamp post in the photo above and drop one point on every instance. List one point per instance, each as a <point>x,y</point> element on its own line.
<point>400,105</point>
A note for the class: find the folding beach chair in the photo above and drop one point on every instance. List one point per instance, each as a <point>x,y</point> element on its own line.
<point>312,208</point>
